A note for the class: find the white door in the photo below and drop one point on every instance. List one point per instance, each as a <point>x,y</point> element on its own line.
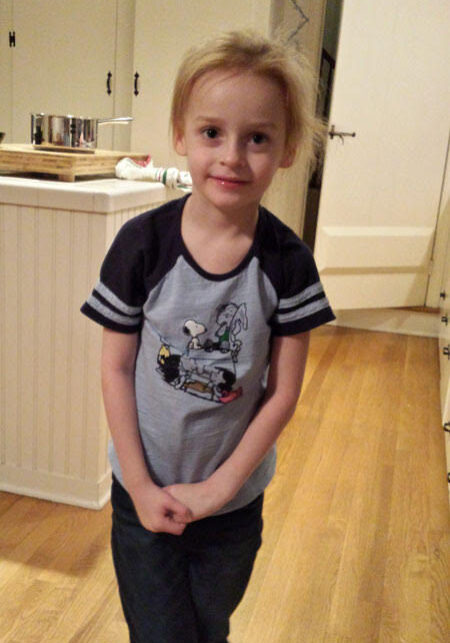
<point>381,189</point>
<point>62,56</point>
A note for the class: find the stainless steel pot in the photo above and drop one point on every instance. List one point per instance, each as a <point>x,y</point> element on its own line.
<point>68,131</point>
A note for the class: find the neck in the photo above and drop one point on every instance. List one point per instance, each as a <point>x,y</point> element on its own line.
<point>236,221</point>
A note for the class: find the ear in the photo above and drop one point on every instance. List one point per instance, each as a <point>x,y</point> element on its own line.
<point>179,143</point>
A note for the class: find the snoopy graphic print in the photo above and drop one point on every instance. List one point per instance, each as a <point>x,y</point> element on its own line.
<point>207,368</point>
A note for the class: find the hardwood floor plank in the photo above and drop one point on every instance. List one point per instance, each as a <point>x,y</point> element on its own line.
<point>6,501</point>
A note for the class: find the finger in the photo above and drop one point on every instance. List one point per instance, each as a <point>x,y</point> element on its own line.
<point>169,526</point>
<point>164,524</point>
<point>179,512</point>
<point>181,515</point>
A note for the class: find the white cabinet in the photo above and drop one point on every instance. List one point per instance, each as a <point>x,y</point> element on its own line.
<point>444,347</point>
<point>6,69</point>
<point>53,238</point>
<point>163,33</point>
<point>66,58</point>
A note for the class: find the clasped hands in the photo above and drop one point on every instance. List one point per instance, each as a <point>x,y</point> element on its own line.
<point>170,509</point>
<point>198,497</point>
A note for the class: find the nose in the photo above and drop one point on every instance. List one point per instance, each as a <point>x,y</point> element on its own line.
<point>233,153</point>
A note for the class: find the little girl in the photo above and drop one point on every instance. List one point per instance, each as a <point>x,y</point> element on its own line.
<point>207,303</point>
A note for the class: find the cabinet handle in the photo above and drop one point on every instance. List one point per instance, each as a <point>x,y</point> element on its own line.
<point>446,351</point>
<point>136,84</point>
<point>443,294</point>
<point>444,319</point>
<point>108,83</point>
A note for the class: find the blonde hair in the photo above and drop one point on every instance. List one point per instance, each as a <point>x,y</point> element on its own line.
<point>250,51</point>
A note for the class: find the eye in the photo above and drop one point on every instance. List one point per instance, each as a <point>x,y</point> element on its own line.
<point>258,138</point>
<point>211,132</point>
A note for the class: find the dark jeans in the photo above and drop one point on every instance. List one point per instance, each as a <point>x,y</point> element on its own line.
<point>183,589</point>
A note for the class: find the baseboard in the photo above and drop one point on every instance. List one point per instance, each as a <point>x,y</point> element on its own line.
<point>424,323</point>
<point>56,487</point>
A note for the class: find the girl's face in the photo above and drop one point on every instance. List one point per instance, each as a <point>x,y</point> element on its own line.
<point>234,138</point>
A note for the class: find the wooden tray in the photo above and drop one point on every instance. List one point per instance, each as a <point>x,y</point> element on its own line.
<point>66,166</point>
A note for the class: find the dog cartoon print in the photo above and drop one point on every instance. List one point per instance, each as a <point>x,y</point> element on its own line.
<point>194,330</point>
<point>231,320</point>
<point>207,366</point>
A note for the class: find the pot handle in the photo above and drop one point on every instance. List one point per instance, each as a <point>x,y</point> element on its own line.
<point>122,119</point>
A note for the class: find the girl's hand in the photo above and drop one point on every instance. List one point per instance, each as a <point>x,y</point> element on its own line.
<point>200,497</point>
<point>158,511</point>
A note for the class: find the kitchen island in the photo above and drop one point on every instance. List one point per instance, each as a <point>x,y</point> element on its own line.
<point>53,237</point>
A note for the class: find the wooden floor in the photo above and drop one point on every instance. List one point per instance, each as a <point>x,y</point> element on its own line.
<point>356,541</point>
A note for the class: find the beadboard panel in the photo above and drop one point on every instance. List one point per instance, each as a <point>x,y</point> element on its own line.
<point>54,436</point>
<point>58,488</point>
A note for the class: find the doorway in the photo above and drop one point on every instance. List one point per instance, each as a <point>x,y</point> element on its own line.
<point>326,78</point>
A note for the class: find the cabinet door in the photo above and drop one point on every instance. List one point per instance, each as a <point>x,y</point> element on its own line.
<point>381,189</point>
<point>6,70</point>
<point>63,53</point>
<point>444,330</point>
<point>163,33</point>
<point>446,415</point>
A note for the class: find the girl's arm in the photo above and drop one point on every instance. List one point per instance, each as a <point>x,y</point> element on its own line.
<point>156,509</point>
<point>287,368</point>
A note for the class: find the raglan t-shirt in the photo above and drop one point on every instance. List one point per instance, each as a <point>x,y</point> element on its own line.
<point>204,338</point>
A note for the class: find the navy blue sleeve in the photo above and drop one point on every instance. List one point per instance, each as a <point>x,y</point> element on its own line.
<point>302,303</point>
<point>117,299</point>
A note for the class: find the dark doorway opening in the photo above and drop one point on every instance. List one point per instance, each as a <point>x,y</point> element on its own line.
<point>326,78</point>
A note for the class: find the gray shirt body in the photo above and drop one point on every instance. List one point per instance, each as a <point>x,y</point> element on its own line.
<point>204,339</point>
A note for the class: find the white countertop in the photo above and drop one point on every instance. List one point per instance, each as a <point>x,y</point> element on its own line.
<point>101,195</point>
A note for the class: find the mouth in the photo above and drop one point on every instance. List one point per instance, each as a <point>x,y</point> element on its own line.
<point>228,181</point>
